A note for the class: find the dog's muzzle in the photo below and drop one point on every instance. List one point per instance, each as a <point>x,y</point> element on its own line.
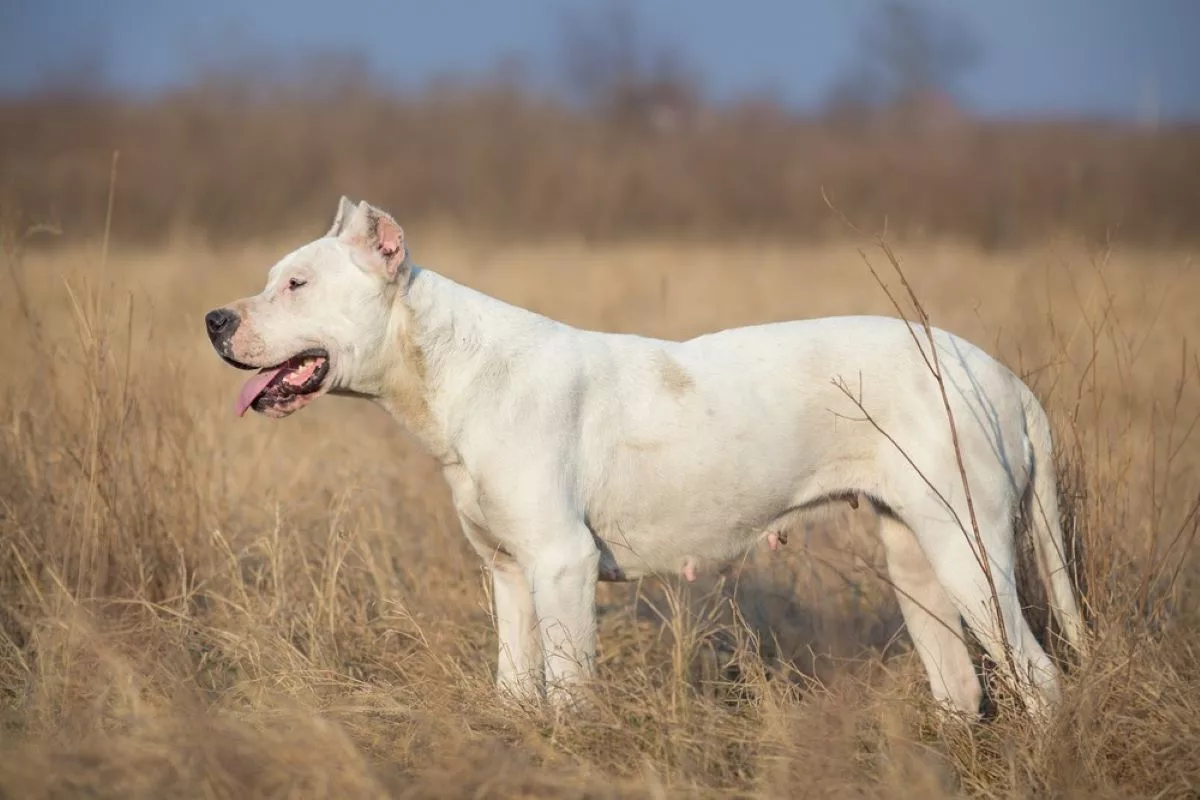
<point>221,324</point>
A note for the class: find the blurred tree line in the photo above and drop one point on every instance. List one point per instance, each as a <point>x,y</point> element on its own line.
<point>629,146</point>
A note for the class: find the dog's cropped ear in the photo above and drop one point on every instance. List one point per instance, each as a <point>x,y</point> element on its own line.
<point>344,211</point>
<point>375,232</point>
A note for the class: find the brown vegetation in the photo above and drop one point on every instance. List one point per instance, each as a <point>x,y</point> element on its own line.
<point>235,158</point>
<point>194,605</point>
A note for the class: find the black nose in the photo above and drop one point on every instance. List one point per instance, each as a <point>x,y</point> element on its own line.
<point>220,323</point>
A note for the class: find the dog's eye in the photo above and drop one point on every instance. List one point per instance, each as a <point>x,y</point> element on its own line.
<point>296,283</point>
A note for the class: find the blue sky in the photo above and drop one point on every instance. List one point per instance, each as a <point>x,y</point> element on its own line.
<point>1101,57</point>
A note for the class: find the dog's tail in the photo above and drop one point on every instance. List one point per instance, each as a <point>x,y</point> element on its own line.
<point>1045,527</point>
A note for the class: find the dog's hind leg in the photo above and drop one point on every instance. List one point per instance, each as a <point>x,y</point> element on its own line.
<point>948,540</point>
<point>931,618</point>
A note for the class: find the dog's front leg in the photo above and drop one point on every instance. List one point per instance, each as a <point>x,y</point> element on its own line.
<point>563,575</point>
<point>519,665</point>
<point>519,660</point>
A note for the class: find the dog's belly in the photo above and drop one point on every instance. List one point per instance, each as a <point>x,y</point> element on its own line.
<point>631,548</point>
<point>706,499</point>
<point>625,557</point>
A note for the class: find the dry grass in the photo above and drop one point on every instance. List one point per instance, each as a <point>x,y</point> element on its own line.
<point>193,605</point>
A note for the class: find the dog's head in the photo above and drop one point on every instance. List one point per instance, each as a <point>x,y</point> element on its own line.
<point>321,322</point>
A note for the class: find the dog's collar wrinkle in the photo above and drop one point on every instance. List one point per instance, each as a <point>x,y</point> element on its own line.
<point>450,340</point>
<point>403,386</point>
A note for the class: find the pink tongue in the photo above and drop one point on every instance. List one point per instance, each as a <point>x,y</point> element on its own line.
<point>253,388</point>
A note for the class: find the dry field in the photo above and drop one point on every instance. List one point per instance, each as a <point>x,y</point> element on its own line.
<point>193,605</point>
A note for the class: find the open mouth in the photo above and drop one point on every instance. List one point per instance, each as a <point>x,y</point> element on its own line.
<point>278,391</point>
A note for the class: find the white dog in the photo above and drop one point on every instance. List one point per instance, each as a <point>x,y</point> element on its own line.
<point>576,456</point>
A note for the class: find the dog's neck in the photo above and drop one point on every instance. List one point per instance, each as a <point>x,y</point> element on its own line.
<point>448,340</point>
